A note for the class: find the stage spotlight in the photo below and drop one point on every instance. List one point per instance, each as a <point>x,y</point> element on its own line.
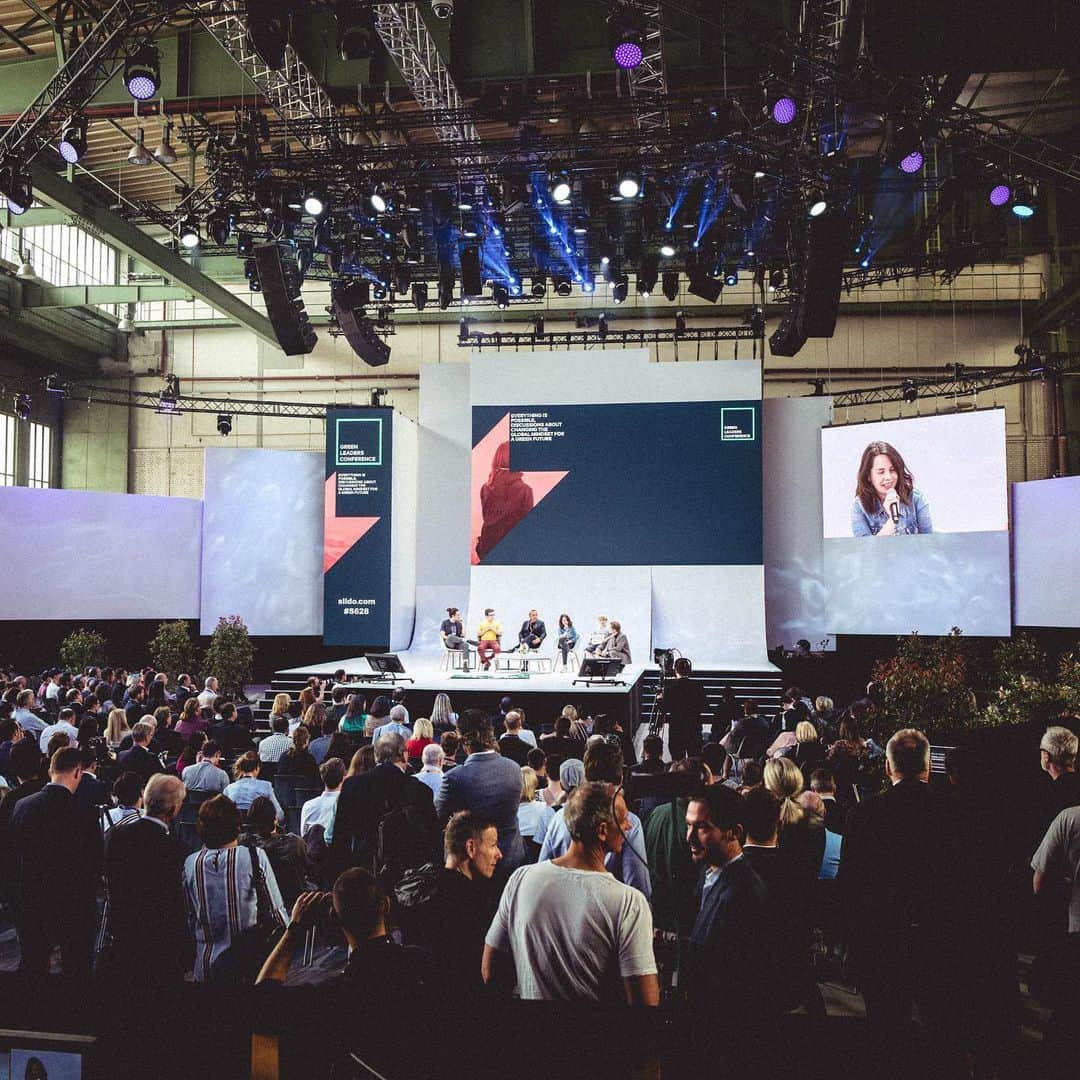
<point>378,200</point>
<point>670,284</point>
<point>23,406</point>
<point>705,286</point>
<point>73,140</point>
<point>1023,203</point>
<point>629,186</point>
<point>138,154</point>
<point>379,290</point>
<point>776,279</point>
<point>563,286</point>
<point>782,107</point>
<point>420,295</point>
<point>619,287</point>
<point>314,204</point>
<point>268,31</point>
<point>816,204</point>
<point>646,275</point>
<point>560,186</point>
<point>602,326</point>
<point>168,398</point>
<point>446,290</point>
<point>539,285</point>
<point>356,34</point>
<point>245,243</point>
<point>909,390</point>
<point>142,72</point>
<point>1000,194</point>
<point>627,39</point>
<point>912,161</point>
<point>16,188</point>
<point>501,295</point>
<point>218,225</point>
<point>188,232</point>
<point>667,250</point>
<point>731,275</point>
<point>463,330</point>
<point>538,325</point>
<point>680,322</point>
<point>224,423</point>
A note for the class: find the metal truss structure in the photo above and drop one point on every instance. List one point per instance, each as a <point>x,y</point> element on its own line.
<point>960,382</point>
<point>294,92</point>
<point>591,339</point>
<point>413,49</point>
<point>648,81</point>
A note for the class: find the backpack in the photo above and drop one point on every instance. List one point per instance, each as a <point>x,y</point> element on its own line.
<point>402,840</point>
<point>413,895</point>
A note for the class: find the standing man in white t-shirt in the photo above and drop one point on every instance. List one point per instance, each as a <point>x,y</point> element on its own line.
<point>565,927</point>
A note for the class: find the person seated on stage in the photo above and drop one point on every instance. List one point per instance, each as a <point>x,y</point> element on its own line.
<point>489,638</point>
<point>567,639</point>
<point>452,631</point>
<point>615,645</point>
<point>532,633</point>
<point>599,635</point>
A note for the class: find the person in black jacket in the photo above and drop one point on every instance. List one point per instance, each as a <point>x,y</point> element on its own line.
<point>232,736</point>
<point>138,759</point>
<point>532,633</point>
<point>144,870</point>
<point>684,701</point>
<point>900,888</point>
<point>56,846</point>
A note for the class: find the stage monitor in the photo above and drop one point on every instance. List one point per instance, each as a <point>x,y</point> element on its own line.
<point>386,663</point>
<point>600,667</point>
<point>915,524</point>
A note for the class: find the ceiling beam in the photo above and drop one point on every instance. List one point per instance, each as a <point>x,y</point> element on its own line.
<point>69,296</point>
<point>102,222</point>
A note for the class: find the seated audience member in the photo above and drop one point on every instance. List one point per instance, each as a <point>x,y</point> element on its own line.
<point>537,761</point>
<point>731,932</point>
<point>821,781</point>
<point>423,734</point>
<point>55,867</point>
<point>515,743</point>
<point>395,725</point>
<point>321,738</point>
<point>563,926</point>
<point>751,777</point>
<point>28,720</point>
<point>450,741</point>
<point>144,870</point>
<point>802,835</point>
<point>792,714</point>
<point>534,815</point>
<point>443,717</point>
<point>652,760</point>
<point>320,810</point>
<point>220,885</point>
<point>341,746</point>
<point>431,767</point>
<point>206,774</point>
<point>232,736</point>
<point>273,746</point>
<point>363,761</point>
<point>247,787</point>
<point>191,719</point>
<point>375,718</point>
<point>208,693</point>
<point>286,851</point>
<point>25,766</point>
<point>719,762</point>
<point>788,897</point>
<point>59,741</point>
<point>447,911</point>
<point>339,703</point>
<point>127,792</point>
<point>397,696</point>
<point>135,704</point>
<point>191,753</point>
<point>298,762</point>
<point>488,784</point>
<point>672,872</point>
<point>279,707</point>
<point>297,709</point>
<point>604,763</point>
<point>824,719</point>
<point>314,719</point>
<point>852,759</point>
<point>91,791</point>
<point>568,774</point>
<point>749,734</point>
<point>562,742</point>
<point>1057,758</point>
<point>808,752</point>
<point>166,740</point>
<point>65,723</point>
<point>139,759</point>
<point>10,734</point>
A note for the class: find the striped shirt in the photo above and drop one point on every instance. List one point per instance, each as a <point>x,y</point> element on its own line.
<point>220,890</point>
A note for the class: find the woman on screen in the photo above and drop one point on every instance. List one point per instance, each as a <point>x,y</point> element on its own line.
<point>887,502</point>
<point>504,500</point>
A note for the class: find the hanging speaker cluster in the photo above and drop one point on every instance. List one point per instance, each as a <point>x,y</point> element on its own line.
<point>280,281</point>
<point>359,331</point>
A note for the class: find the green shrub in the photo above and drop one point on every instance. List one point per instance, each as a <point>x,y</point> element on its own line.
<point>230,656</point>
<point>83,648</point>
<point>172,650</point>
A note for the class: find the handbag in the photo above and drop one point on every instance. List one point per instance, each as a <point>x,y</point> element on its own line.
<point>241,962</point>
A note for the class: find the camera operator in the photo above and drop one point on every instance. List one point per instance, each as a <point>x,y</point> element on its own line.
<point>683,699</point>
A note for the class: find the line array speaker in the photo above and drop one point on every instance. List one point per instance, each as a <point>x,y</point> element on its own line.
<point>280,283</point>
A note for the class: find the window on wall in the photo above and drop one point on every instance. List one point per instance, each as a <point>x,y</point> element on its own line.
<point>62,254</point>
<point>7,450</point>
<point>39,471</point>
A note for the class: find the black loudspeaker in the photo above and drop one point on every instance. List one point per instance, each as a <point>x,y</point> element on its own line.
<point>823,273</point>
<point>704,286</point>
<point>359,332</point>
<point>284,305</point>
<point>786,339</point>
<point>471,278</point>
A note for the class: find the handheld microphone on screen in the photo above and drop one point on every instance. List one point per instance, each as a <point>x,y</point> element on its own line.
<point>894,511</point>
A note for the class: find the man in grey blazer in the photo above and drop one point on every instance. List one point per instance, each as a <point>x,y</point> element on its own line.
<point>488,784</point>
<point>615,644</point>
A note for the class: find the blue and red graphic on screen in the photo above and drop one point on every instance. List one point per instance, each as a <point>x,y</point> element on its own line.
<point>609,485</point>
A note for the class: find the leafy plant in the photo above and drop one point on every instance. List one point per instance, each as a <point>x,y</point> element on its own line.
<point>83,648</point>
<point>172,650</point>
<point>231,655</point>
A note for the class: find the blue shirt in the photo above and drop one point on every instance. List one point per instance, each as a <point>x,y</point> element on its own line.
<point>830,859</point>
<point>393,728</point>
<point>247,789</point>
<point>631,867</point>
<point>914,517</point>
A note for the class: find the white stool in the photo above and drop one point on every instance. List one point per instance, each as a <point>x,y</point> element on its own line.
<point>452,659</point>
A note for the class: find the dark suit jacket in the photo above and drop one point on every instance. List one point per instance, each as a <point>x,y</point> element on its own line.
<point>233,738</point>
<point>144,869</point>
<point>899,875</point>
<point>517,750</point>
<point>169,740</point>
<point>529,630</point>
<point>363,802</point>
<point>91,791</point>
<point>491,784</point>
<point>56,844</point>
<point>684,702</point>
<point>139,760</point>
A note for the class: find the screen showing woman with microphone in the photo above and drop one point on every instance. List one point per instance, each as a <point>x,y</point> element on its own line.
<point>887,502</point>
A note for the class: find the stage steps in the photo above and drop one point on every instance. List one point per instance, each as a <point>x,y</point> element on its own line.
<point>763,687</point>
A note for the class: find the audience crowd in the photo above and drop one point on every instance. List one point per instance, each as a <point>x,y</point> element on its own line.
<point>152,836</point>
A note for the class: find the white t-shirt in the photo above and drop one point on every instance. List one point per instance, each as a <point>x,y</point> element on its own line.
<point>570,932</point>
<point>207,698</point>
<point>1058,857</point>
<point>318,811</point>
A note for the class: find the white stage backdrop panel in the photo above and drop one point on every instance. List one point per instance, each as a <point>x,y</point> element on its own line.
<point>97,555</point>
<point>1046,552</point>
<point>403,534</point>
<point>582,592</point>
<point>795,596</point>
<point>263,540</point>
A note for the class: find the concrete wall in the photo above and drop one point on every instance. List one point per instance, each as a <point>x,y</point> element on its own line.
<point>95,447</point>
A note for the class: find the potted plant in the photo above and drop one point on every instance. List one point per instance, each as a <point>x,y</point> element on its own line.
<point>172,650</point>
<point>83,648</point>
<point>230,655</point>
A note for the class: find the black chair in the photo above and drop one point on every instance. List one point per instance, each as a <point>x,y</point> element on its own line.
<point>292,812</point>
<point>267,770</point>
<point>285,789</point>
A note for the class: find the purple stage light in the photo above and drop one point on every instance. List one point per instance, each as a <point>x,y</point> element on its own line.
<point>68,152</point>
<point>912,163</point>
<point>628,54</point>
<point>784,110</point>
<point>142,87</point>
<point>1000,194</point>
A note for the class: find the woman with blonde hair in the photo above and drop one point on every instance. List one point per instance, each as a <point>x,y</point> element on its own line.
<point>116,729</point>
<point>534,815</point>
<point>423,734</point>
<point>279,708</point>
<point>802,835</point>
<point>808,752</point>
<point>443,717</point>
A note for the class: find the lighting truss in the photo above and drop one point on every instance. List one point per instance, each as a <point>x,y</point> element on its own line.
<point>568,339</point>
<point>407,40</point>
<point>294,92</point>
<point>960,382</point>
<point>648,81</point>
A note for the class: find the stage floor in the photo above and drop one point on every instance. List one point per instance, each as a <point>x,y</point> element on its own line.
<point>427,674</point>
